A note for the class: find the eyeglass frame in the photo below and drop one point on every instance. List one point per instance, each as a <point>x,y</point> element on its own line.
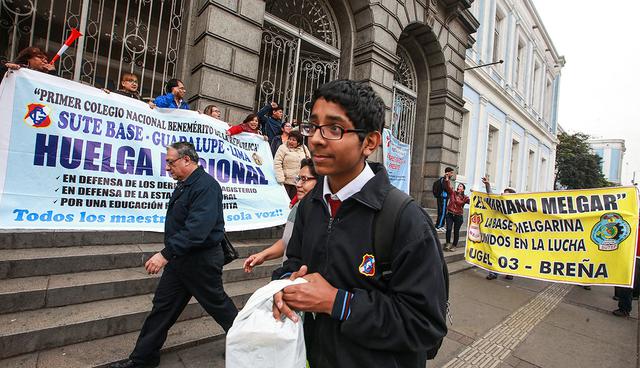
<point>172,162</point>
<point>303,178</point>
<point>320,127</point>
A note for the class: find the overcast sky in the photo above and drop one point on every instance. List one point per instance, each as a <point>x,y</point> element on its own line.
<point>601,79</point>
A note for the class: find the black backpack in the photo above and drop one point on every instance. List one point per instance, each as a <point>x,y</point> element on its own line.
<point>437,188</point>
<point>392,206</point>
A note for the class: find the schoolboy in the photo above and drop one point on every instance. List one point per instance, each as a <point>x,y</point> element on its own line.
<point>355,318</point>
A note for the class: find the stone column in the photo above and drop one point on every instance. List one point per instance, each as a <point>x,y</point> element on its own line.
<point>225,56</point>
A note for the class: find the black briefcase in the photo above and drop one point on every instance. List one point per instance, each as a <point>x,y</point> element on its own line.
<point>230,253</point>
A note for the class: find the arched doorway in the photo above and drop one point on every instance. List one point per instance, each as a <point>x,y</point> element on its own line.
<point>405,94</point>
<point>300,51</point>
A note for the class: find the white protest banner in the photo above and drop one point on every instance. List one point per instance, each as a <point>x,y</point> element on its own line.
<point>74,157</point>
<point>397,160</point>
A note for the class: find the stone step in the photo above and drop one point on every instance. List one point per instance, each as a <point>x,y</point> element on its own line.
<point>458,266</point>
<point>21,239</point>
<point>31,293</point>
<point>102,352</point>
<point>29,262</point>
<point>185,334</point>
<point>26,332</point>
<point>118,272</point>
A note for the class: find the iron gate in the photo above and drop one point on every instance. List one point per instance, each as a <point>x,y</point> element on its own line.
<point>139,36</point>
<point>404,99</point>
<point>299,53</point>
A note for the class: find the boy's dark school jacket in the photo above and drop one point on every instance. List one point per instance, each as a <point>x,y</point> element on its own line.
<point>374,323</point>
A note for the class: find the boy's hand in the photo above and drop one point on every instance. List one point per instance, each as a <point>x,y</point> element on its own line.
<point>316,295</point>
<point>279,306</point>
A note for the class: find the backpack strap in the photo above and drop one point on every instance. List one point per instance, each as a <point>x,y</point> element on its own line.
<point>384,224</point>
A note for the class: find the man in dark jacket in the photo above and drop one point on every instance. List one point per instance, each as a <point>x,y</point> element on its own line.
<point>355,317</point>
<point>270,118</point>
<point>194,228</point>
<point>442,198</point>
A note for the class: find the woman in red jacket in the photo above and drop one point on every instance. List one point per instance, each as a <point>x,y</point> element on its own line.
<point>248,125</point>
<point>457,200</point>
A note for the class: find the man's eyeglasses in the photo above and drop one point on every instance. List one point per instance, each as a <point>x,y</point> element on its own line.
<point>330,132</point>
<point>171,162</point>
<point>304,179</point>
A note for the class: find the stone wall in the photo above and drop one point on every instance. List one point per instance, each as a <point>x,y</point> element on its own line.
<point>224,57</point>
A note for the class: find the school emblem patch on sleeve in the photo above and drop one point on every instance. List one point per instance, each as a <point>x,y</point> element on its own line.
<point>368,265</point>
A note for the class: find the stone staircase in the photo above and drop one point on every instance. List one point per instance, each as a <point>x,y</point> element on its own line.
<point>78,299</point>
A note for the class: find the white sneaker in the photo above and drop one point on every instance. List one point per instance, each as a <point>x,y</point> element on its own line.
<point>441,230</point>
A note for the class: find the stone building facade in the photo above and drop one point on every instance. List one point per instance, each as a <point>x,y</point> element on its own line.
<point>240,54</point>
<point>611,151</point>
<point>509,125</point>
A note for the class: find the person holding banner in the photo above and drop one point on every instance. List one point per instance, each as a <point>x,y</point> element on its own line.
<point>128,86</point>
<point>507,190</point>
<point>213,111</point>
<point>305,181</point>
<point>625,295</point>
<point>32,58</point>
<point>174,96</point>
<point>456,202</point>
<point>192,257</point>
<point>249,125</point>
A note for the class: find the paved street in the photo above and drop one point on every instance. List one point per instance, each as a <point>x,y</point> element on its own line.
<point>520,323</point>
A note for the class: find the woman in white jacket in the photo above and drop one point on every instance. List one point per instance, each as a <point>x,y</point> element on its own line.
<point>287,161</point>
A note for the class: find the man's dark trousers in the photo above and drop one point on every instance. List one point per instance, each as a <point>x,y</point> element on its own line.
<point>198,274</point>
<point>625,295</point>
<point>442,212</point>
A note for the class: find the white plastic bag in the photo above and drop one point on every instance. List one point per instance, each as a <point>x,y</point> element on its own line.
<point>257,340</point>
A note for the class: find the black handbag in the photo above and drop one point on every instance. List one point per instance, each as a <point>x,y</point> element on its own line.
<point>230,253</point>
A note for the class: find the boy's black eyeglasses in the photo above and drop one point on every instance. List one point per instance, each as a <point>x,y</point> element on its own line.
<point>330,132</point>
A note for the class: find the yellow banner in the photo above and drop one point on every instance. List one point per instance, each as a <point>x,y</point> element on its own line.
<point>583,237</point>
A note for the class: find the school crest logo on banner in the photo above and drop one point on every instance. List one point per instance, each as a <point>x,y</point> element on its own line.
<point>37,116</point>
<point>610,231</point>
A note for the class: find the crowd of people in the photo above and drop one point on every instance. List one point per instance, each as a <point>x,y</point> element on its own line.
<point>286,144</point>
<point>345,300</point>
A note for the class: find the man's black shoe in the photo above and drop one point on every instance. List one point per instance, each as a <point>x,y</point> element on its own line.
<point>131,364</point>
<point>620,313</point>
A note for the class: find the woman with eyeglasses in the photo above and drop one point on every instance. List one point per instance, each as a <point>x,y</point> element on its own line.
<point>305,181</point>
<point>287,161</point>
<point>280,139</point>
<point>32,58</point>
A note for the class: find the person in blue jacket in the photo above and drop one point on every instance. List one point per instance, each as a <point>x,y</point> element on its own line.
<point>174,96</point>
<point>270,117</point>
